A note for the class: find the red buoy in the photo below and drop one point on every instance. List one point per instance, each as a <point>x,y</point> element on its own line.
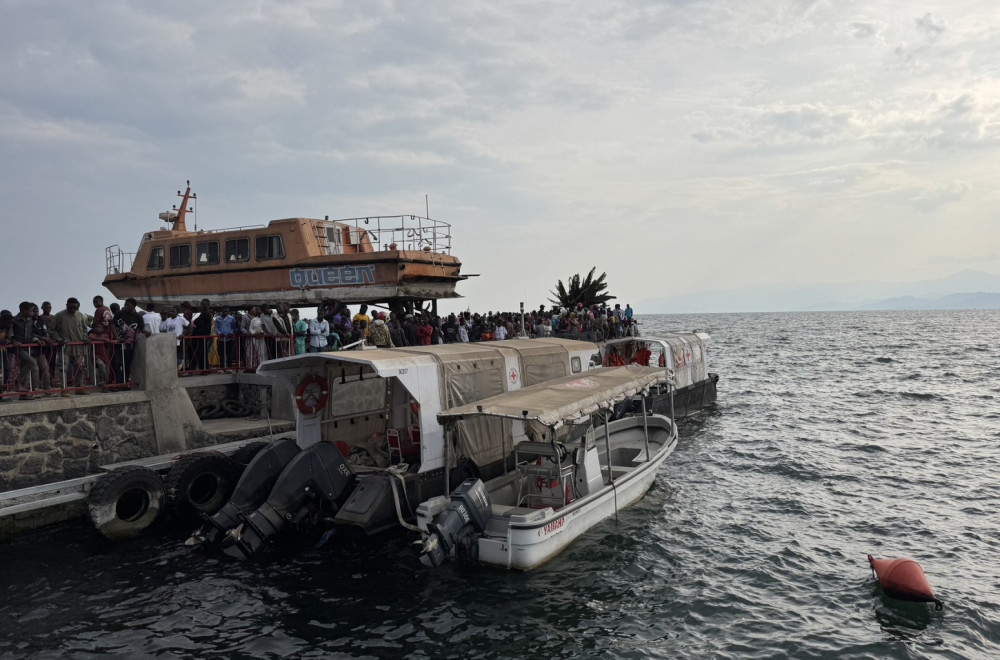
<point>904,579</point>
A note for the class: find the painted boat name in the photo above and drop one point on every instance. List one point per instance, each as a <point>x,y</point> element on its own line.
<point>302,278</point>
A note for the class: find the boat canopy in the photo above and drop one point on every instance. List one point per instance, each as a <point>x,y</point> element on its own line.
<point>564,400</point>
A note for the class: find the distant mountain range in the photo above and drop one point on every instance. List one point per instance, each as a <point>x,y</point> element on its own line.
<point>968,289</point>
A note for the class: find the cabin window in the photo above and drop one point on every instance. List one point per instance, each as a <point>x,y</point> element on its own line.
<point>208,253</point>
<point>575,365</point>
<point>180,255</point>
<point>237,249</point>
<point>270,247</point>
<point>155,259</point>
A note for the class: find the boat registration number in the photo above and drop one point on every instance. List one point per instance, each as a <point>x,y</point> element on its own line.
<point>552,526</point>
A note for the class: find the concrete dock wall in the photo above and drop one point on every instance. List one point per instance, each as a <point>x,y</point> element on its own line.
<point>53,439</point>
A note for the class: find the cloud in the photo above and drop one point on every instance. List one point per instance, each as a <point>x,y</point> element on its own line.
<point>933,198</point>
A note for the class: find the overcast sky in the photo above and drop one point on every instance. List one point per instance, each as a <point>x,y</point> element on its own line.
<point>678,146</point>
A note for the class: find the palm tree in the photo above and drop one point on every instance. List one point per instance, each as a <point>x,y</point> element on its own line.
<point>587,291</point>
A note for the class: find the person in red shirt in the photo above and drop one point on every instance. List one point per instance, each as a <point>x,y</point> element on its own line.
<point>102,334</point>
<point>424,333</point>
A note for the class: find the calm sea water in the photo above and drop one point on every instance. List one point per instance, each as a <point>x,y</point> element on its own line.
<point>836,435</point>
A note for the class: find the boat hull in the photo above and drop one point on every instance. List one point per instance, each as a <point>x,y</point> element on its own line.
<point>547,532</point>
<point>352,279</point>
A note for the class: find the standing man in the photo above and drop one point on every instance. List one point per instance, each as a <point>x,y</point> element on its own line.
<point>151,320</point>
<point>128,324</point>
<point>300,329</point>
<point>177,325</point>
<point>319,328</point>
<point>259,351</point>
<point>33,368</point>
<point>102,335</point>
<point>378,334</point>
<point>202,331</point>
<point>70,326</point>
<point>362,316</point>
<point>225,331</point>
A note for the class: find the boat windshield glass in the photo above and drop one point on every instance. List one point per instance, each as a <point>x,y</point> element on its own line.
<point>180,255</point>
<point>237,249</point>
<point>208,253</point>
<point>270,247</point>
<point>155,259</point>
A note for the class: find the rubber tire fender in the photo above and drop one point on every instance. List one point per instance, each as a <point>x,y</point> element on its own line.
<point>125,501</point>
<point>201,482</point>
<point>235,408</point>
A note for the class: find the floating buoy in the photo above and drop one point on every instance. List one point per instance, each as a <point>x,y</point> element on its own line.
<point>903,578</point>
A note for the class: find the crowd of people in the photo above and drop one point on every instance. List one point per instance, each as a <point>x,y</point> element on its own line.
<point>70,350</point>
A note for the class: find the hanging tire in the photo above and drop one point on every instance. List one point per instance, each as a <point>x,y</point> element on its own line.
<point>201,483</point>
<point>235,408</point>
<point>246,453</point>
<point>125,501</point>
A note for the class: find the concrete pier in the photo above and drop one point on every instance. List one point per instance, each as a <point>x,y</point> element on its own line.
<point>54,439</point>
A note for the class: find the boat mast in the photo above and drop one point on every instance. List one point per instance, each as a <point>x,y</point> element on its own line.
<point>183,210</point>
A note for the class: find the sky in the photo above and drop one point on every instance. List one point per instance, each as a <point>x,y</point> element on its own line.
<point>678,146</point>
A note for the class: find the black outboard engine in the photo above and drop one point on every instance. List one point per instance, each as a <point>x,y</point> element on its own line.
<point>459,526</point>
<point>317,473</point>
<point>251,490</point>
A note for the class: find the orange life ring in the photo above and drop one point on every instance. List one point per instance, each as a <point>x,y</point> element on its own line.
<point>311,394</point>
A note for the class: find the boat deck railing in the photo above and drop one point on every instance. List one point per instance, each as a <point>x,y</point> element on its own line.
<point>407,232</point>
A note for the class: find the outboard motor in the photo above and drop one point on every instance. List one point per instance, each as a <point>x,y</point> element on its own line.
<point>251,490</point>
<point>458,527</point>
<point>317,473</point>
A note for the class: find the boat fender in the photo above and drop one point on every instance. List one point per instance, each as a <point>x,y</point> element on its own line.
<point>201,483</point>
<point>125,501</point>
<point>663,359</point>
<point>903,578</point>
<point>311,394</point>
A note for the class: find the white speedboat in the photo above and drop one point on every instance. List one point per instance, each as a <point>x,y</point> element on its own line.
<point>573,466</point>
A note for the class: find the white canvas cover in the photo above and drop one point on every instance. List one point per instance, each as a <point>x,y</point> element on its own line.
<point>552,404</point>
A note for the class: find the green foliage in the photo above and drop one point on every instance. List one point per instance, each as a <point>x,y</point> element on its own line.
<point>587,291</point>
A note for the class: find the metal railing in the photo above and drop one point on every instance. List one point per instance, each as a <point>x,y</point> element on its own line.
<point>408,232</point>
<point>38,369</point>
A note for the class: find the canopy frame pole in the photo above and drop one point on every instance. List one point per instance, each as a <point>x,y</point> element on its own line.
<point>645,426</point>
<point>607,447</point>
<point>611,469</point>
<point>447,470</point>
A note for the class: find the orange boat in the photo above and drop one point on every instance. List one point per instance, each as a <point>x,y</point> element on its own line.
<point>399,260</point>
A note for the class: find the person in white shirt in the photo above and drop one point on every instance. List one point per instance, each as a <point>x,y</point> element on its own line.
<point>151,320</point>
<point>319,328</point>
<point>177,325</point>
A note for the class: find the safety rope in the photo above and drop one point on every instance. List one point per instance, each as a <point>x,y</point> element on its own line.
<point>395,471</point>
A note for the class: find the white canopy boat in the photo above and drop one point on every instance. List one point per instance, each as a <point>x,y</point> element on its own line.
<point>686,353</point>
<point>575,465</point>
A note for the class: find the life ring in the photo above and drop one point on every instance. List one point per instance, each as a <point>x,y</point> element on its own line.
<point>125,501</point>
<point>311,394</point>
<point>201,483</point>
